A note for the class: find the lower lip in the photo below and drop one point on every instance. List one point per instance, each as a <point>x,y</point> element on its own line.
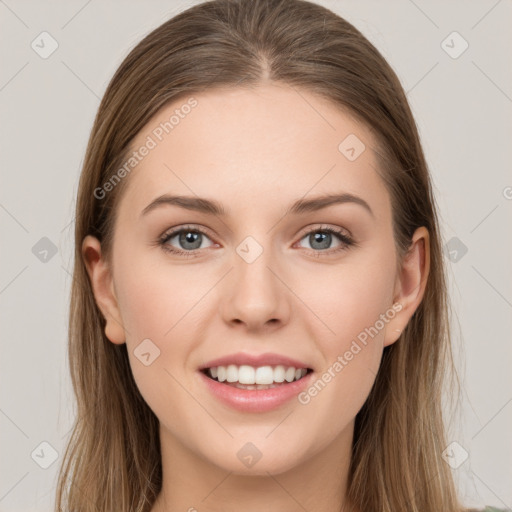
<point>256,400</point>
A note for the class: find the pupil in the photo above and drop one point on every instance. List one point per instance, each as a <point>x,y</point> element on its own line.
<point>323,238</point>
<point>189,237</point>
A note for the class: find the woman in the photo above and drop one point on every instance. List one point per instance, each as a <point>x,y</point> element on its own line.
<point>293,356</point>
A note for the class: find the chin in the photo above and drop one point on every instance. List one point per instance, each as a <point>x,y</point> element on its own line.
<point>249,460</point>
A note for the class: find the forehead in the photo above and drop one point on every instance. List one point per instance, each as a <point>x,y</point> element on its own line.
<point>254,147</point>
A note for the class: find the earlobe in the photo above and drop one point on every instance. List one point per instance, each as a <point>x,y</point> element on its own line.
<point>410,283</point>
<point>102,284</point>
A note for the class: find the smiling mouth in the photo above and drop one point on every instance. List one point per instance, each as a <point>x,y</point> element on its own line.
<point>249,377</point>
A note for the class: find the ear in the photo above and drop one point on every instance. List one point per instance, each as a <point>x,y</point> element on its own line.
<point>103,289</point>
<point>410,284</point>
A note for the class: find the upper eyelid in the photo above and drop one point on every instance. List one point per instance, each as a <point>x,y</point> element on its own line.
<point>172,232</point>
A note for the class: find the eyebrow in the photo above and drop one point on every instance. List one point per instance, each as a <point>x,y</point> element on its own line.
<point>212,207</point>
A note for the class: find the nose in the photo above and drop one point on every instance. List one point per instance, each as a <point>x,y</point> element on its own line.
<point>255,296</point>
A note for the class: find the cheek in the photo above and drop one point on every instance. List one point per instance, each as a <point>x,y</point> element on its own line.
<point>155,298</point>
<point>157,303</point>
<point>349,297</point>
<point>354,302</point>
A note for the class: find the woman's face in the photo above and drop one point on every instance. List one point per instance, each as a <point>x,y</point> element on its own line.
<point>262,280</point>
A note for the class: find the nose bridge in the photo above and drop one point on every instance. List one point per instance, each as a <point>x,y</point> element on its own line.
<point>255,294</point>
<point>252,262</point>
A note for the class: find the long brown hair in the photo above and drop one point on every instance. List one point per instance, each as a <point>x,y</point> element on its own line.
<point>112,462</point>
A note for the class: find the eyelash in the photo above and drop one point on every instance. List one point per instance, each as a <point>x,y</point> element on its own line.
<point>347,241</point>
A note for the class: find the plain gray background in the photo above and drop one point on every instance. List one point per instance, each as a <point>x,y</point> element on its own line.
<point>462,104</point>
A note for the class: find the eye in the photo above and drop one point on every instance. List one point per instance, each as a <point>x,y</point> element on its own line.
<point>321,239</point>
<point>188,239</point>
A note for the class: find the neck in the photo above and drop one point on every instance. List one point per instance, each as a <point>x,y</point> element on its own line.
<point>191,483</point>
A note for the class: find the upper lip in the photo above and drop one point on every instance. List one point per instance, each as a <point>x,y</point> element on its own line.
<point>255,360</point>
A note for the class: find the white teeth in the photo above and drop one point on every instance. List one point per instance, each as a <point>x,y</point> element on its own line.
<point>251,377</point>
<point>279,372</point>
<point>231,373</point>
<point>264,375</point>
<point>221,373</point>
<point>290,374</point>
<point>246,375</point>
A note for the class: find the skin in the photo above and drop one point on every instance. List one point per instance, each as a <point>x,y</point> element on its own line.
<point>256,151</point>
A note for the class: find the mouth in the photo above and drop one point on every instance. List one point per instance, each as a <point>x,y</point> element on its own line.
<point>256,378</point>
<point>255,383</point>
